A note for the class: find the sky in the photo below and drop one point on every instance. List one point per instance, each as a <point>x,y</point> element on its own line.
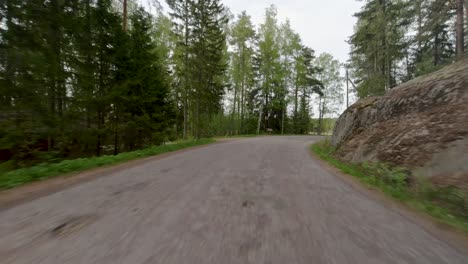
<point>323,25</point>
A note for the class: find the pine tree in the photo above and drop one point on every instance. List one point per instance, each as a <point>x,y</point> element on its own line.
<point>413,38</point>
<point>379,44</point>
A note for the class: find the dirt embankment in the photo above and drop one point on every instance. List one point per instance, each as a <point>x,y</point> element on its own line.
<point>421,125</point>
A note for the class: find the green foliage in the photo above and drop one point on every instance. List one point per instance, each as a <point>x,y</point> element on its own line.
<point>144,94</point>
<point>444,204</point>
<point>76,82</point>
<point>283,74</point>
<point>73,83</point>
<point>269,69</point>
<point>230,79</point>
<point>324,125</point>
<point>386,174</point>
<point>242,38</point>
<point>447,197</point>
<point>200,62</point>
<point>305,84</point>
<point>48,170</point>
<point>332,95</point>
<point>395,41</point>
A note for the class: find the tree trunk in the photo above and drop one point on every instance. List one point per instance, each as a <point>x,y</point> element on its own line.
<point>238,113</point>
<point>466,29</point>
<point>283,111</point>
<point>260,114</point>
<point>260,118</point>
<point>233,112</point>
<point>420,27</point>
<point>125,16</point>
<point>460,45</point>
<point>296,94</point>
<point>100,106</point>
<point>319,131</point>
<point>198,99</point>
<point>266,107</point>
<point>99,110</point>
<point>466,19</point>
<point>307,98</point>
<point>385,68</point>
<point>185,103</point>
<point>408,67</point>
<point>116,130</point>
<point>436,50</point>
<point>242,103</point>
<point>186,62</point>
<point>347,88</point>
<point>56,71</point>
<point>88,84</point>
<point>7,98</point>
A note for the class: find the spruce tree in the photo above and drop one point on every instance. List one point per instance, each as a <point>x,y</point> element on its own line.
<point>208,42</point>
<point>149,113</point>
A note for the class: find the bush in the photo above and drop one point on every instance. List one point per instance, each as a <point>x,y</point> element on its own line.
<point>394,176</point>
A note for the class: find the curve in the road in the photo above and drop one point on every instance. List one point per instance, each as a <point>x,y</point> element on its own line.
<point>256,200</point>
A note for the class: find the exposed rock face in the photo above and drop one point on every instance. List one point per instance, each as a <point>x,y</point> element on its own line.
<point>421,125</point>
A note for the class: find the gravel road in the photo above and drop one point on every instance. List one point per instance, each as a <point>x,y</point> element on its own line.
<point>256,200</point>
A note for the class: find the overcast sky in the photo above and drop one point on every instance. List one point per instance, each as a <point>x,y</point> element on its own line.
<point>324,25</point>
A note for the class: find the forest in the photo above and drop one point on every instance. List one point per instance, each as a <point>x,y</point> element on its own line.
<point>91,77</point>
<point>99,77</point>
<point>398,40</point>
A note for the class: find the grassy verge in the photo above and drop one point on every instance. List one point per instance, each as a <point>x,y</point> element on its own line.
<point>48,170</point>
<point>444,204</point>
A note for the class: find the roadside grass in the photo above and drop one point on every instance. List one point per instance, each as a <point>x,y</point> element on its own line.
<point>43,171</point>
<point>444,204</point>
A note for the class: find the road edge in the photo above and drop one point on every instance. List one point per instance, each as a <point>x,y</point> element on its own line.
<point>31,191</point>
<point>432,226</point>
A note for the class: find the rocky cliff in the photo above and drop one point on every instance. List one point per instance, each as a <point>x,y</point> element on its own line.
<point>421,125</point>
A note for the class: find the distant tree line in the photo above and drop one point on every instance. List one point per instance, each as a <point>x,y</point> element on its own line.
<point>266,78</point>
<point>93,77</point>
<point>397,40</point>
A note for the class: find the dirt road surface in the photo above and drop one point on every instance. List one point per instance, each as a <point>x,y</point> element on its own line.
<point>257,200</point>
